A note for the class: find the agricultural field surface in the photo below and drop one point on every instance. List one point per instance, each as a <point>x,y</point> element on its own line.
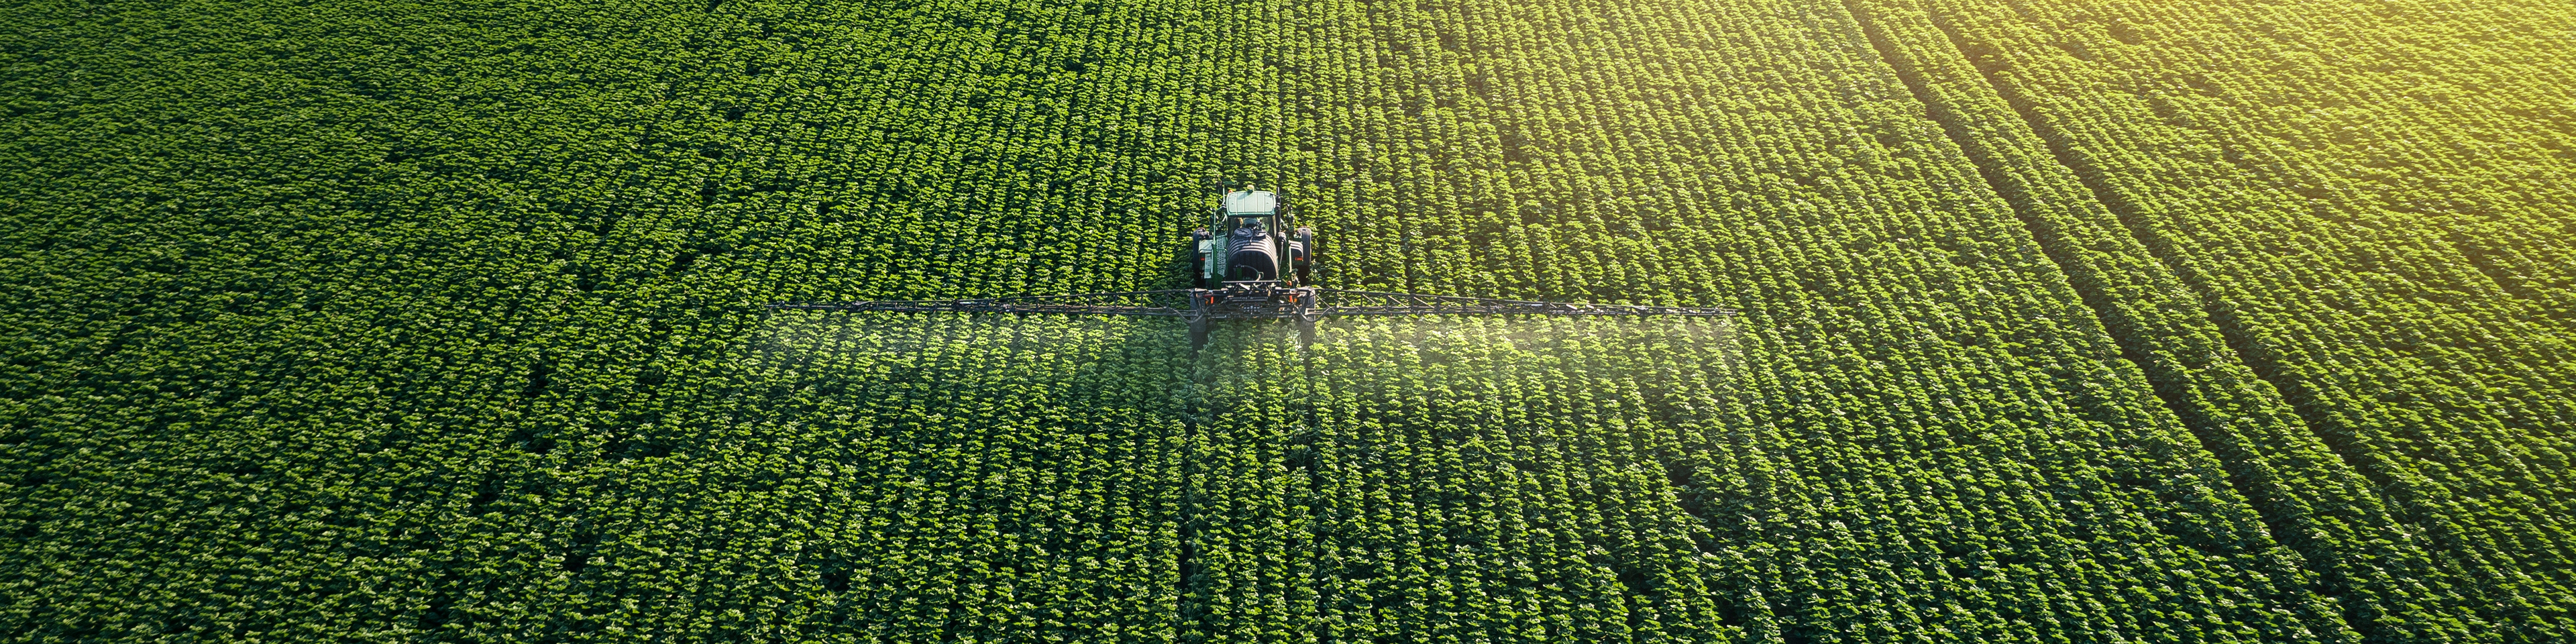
<point>2118,321</point>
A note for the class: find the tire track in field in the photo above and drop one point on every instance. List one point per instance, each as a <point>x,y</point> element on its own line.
<point>2312,496</point>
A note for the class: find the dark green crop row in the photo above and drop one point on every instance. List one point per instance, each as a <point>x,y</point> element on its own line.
<point>2068,321</point>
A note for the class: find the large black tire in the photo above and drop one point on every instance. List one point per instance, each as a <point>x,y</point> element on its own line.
<point>1305,259</point>
<point>1198,333</point>
<point>1197,267</point>
<point>1198,260</point>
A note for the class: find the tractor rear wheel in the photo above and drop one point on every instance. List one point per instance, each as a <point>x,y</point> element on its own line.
<point>1190,248</point>
<point>1305,256</point>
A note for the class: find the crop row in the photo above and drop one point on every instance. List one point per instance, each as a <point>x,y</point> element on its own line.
<point>2366,237</point>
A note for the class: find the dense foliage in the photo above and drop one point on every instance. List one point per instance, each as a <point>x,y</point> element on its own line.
<point>2068,321</point>
<point>2384,250</point>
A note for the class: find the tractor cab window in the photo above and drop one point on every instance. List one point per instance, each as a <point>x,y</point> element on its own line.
<point>1246,203</point>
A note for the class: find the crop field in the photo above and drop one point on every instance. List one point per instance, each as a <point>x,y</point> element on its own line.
<point>2062,321</point>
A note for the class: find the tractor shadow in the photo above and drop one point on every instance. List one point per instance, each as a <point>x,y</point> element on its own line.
<point>1305,458</point>
<point>1101,461</point>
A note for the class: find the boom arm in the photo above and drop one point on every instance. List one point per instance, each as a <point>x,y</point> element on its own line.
<point>1255,300</point>
<point>1340,302</point>
<point>1253,303</point>
<point>1171,303</point>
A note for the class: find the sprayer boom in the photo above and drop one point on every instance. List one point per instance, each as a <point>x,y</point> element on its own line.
<point>1303,305</point>
<point>1251,263</point>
